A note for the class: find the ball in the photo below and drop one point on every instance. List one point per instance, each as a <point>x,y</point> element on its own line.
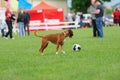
<point>76,47</point>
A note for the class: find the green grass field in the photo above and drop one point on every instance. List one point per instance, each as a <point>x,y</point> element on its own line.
<point>99,59</point>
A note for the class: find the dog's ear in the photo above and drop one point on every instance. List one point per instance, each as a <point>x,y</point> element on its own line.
<point>70,33</point>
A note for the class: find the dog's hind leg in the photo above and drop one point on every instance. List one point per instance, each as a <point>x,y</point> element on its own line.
<point>44,44</point>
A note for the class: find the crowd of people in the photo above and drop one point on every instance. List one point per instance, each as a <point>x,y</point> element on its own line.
<point>97,13</point>
<point>21,19</point>
<point>78,18</point>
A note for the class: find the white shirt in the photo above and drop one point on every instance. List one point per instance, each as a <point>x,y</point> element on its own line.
<point>70,17</point>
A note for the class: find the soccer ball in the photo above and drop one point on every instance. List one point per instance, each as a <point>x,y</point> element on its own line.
<point>76,47</point>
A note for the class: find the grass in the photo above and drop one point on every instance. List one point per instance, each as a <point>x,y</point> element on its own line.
<point>99,59</point>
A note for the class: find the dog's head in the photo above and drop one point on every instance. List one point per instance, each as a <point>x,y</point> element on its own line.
<point>69,33</point>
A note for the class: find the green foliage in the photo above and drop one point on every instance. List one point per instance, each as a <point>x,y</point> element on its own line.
<point>81,5</point>
<point>3,3</point>
<point>108,11</point>
<point>99,59</point>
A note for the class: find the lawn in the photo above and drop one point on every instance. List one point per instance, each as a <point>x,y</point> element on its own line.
<point>98,59</point>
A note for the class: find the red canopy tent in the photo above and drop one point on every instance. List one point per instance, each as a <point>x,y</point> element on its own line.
<point>43,11</point>
<point>43,5</point>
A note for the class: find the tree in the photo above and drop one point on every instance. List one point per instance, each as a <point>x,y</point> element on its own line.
<point>81,5</point>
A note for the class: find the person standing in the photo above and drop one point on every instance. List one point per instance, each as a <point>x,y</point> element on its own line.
<point>70,17</point>
<point>20,21</point>
<point>8,20</point>
<point>26,21</point>
<point>81,20</point>
<point>99,20</point>
<point>2,27</point>
<point>119,18</point>
<point>116,17</point>
<point>92,9</point>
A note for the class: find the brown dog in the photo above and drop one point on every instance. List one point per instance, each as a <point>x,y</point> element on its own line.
<point>57,39</point>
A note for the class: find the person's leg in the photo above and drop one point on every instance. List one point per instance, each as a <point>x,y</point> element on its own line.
<point>99,27</point>
<point>114,22</point>
<point>20,29</point>
<point>81,24</point>
<point>11,33</point>
<point>94,28</point>
<point>11,27</point>
<point>8,29</point>
<point>7,33</point>
<point>119,22</point>
<point>23,29</point>
<point>28,29</point>
<point>2,31</point>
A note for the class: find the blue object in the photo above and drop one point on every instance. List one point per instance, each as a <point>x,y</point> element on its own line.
<point>24,4</point>
<point>99,26</point>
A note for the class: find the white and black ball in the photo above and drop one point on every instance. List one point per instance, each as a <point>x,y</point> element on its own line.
<point>76,47</point>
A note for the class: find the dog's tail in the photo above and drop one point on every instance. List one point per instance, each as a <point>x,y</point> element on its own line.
<point>35,33</point>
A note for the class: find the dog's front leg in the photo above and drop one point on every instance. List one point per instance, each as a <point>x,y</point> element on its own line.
<point>62,46</point>
<point>57,48</point>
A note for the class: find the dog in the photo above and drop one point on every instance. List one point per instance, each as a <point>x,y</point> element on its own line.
<point>57,39</point>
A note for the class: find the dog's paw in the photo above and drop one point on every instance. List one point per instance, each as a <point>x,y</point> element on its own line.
<point>64,40</point>
<point>56,52</point>
<point>63,52</point>
<point>41,53</point>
